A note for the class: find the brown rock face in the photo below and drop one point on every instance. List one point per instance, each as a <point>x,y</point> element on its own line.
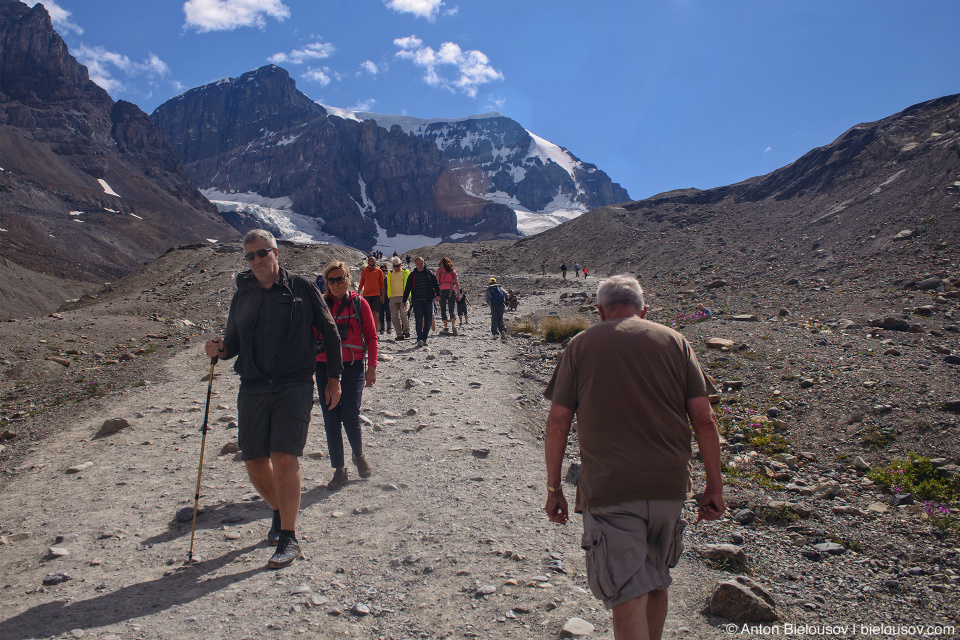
<point>59,134</point>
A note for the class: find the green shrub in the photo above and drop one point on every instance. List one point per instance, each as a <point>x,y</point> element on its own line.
<point>918,476</point>
<point>556,329</point>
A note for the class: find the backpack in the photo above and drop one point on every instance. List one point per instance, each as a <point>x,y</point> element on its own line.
<point>355,298</point>
<point>497,295</point>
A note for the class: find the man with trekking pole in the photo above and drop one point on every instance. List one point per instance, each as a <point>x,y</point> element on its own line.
<point>270,329</point>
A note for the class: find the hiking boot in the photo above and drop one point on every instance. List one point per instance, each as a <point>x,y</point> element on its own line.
<point>406,335</point>
<point>399,337</point>
<point>419,343</point>
<point>339,479</point>
<point>288,550</point>
<point>454,331</point>
<point>503,335</point>
<point>363,468</point>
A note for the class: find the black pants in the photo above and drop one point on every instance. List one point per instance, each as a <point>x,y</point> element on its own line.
<point>346,415</point>
<point>422,317</point>
<point>448,304</point>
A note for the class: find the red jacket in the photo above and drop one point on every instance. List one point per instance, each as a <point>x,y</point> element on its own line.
<point>343,315</point>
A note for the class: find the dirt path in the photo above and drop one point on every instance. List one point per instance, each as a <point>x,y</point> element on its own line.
<point>407,553</point>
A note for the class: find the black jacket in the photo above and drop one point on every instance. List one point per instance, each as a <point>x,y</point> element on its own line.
<point>296,360</point>
<point>422,281</point>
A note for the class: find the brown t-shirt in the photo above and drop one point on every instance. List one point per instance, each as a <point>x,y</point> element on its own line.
<point>628,381</point>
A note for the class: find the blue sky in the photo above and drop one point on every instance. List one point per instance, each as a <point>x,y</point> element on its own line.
<point>660,95</point>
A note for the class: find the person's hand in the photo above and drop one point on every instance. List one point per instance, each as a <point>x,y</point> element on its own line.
<point>370,377</point>
<point>556,507</point>
<point>711,506</point>
<point>332,393</point>
<point>403,306</point>
<point>212,347</point>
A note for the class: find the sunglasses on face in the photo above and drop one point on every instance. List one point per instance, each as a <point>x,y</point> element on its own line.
<point>259,253</point>
<point>339,280</point>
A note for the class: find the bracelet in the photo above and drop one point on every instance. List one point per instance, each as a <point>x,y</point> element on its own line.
<point>556,488</point>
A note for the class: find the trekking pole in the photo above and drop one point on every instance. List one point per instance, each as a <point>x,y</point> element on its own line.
<point>203,445</point>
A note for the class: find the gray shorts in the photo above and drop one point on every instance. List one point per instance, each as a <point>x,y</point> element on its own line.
<point>631,547</point>
<point>274,422</point>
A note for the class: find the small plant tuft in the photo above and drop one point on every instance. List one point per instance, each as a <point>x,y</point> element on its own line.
<point>556,329</point>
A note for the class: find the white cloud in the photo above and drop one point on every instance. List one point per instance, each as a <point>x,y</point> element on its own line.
<point>370,67</point>
<point>470,69</point>
<point>320,76</point>
<point>364,105</point>
<point>768,150</point>
<point>313,51</point>
<point>59,16</point>
<point>226,15</point>
<point>103,65</point>
<point>408,43</point>
<point>421,8</point>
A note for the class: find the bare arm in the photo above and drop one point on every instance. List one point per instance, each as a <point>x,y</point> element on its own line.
<point>708,440</point>
<point>554,446</point>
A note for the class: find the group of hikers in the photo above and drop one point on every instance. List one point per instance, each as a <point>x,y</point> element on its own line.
<point>563,269</point>
<point>632,385</point>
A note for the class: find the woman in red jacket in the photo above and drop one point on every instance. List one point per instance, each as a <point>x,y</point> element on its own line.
<point>358,338</point>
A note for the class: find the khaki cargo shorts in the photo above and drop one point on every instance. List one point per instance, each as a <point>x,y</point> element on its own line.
<point>631,547</point>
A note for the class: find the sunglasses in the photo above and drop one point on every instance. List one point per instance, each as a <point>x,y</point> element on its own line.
<point>259,253</point>
<point>339,280</point>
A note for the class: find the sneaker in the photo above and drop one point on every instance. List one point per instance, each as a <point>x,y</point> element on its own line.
<point>339,479</point>
<point>363,468</point>
<point>288,550</point>
<point>454,331</point>
<point>419,343</point>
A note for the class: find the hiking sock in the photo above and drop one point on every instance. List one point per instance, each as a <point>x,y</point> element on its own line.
<point>289,534</point>
<point>276,521</point>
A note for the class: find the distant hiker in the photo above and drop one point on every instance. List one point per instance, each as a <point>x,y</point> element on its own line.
<point>632,384</point>
<point>408,261</point>
<point>513,300</point>
<point>422,289</point>
<point>270,327</point>
<point>462,305</point>
<point>584,272</point>
<point>563,270</point>
<point>385,325</point>
<point>576,267</point>
<point>396,281</point>
<point>496,297</point>
<point>358,336</point>
<point>320,283</point>
<point>449,291</point>
<point>372,288</point>
<point>703,311</point>
<point>543,268</point>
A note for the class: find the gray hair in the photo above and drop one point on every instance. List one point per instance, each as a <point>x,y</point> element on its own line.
<point>619,290</point>
<point>260,234</point>
<point>395,260</point>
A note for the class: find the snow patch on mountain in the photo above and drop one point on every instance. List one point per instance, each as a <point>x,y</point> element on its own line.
<point>401,243</point>
<point>273,213</point>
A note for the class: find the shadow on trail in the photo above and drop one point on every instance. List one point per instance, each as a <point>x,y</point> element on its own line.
<point>230,512</point>
<point>127,603</point>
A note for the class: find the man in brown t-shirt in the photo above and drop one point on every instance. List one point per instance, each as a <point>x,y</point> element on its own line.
<point>631,383</point>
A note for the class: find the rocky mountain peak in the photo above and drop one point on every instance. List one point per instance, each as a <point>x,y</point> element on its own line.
<point>234,111</point>
<point>35,65</point>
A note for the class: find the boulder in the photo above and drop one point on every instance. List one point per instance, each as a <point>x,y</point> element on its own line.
<point>741,600</point>
<point>732,555</point>
<point>112,425</point>
<point>718,343</point>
